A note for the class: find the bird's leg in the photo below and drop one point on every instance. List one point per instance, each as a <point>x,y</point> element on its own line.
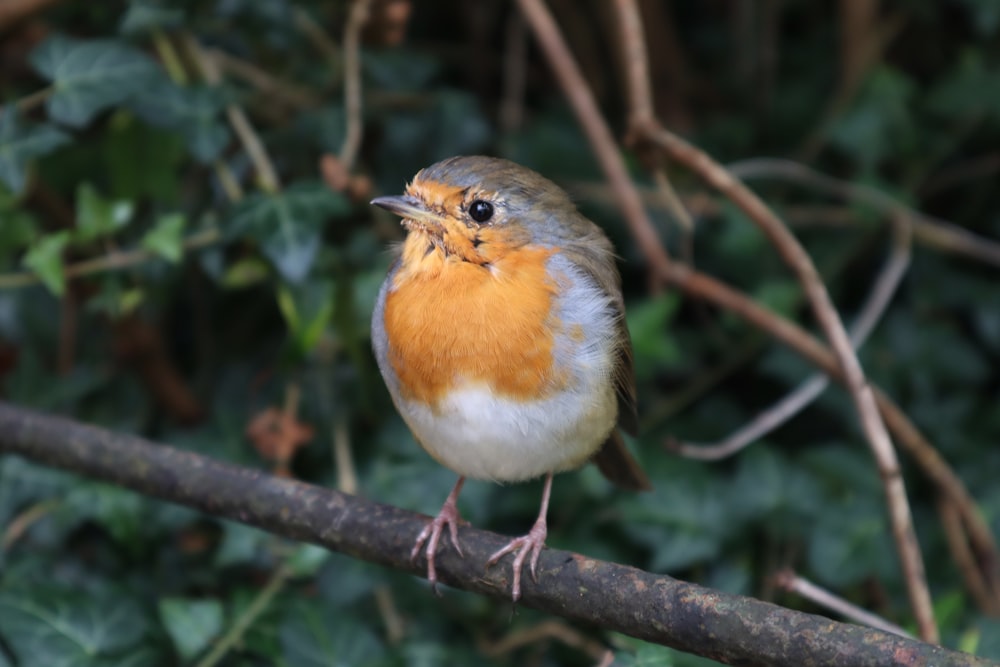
<point>431,534</point>
<point>531,543</point>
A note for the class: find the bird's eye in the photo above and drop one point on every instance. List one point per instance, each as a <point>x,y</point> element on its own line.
<point>481,211</point>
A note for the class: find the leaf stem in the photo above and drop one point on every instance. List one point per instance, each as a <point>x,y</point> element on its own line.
<point>109,262</point>
<point>244,621</point>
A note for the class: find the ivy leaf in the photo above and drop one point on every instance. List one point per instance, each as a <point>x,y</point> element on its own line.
<point>19,144</point>
<point>97,217</point>
<point>307,309</point>
<point>62,628</point>
<point>90,76</point>
<point>166,238</point>
<point>287,225</point>
<point>193,112</point>
<point>45,259</point>
<point>314,637</point>
<point>191,624</point>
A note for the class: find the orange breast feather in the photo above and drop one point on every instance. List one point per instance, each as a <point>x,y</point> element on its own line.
<point>450,322</point>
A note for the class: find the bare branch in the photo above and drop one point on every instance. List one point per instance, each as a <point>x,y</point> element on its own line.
<point>656,608</point>
<point>791,582</point>
<point>772,418</point>
<point>595,127</point>
<point>113,261</point>
<point>934,232</point>
<point>267,175</point>
<point>352,82</point>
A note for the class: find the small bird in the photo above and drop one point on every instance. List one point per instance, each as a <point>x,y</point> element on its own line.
<point>501,336</point>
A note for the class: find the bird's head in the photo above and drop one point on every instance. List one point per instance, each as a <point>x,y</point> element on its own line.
<point>477,209</point>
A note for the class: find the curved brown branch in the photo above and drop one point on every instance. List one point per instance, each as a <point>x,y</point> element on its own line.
<point>939,234</point>
<point>647,133</point>
<point>588,114</point>
<point>702,286</point>
<point>729,628</point>
<point>778,414</point>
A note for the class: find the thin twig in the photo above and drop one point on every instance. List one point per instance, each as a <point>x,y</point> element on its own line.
<point>110,262</point>
<point>352,82</point>
<point>272,86</point>
<point>34,100</point>
<point>982,591</point>
<point>633,44</point>
<point>941,234</point>
<point>935,233</point>
<point>343,459</point>
<point>984,166</point>
<point>640,95</point>
<point>257,606</point>
<point>174,66</point>
<point>791,582</point>
<point>575,87</point>
<point>703,286</point>
<point>772,418</point>
<point>19,524</point>
<point>702,383</point>
<point>395,626</point>
<point>551,629</point>
<point>169,58</point>
<point>321,42</point>
<point>671,202</point>
<point>267,175</point>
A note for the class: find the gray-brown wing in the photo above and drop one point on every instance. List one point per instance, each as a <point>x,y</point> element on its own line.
<point>594,256</point>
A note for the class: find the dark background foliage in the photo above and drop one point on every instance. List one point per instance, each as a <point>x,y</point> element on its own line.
<point>153,278</point>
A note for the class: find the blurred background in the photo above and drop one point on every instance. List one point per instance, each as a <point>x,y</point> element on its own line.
<point>186,252</point>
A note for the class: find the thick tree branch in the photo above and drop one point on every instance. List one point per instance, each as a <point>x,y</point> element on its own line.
<point>656,608</point>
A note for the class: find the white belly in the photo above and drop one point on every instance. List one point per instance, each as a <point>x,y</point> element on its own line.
<point>482,436</point>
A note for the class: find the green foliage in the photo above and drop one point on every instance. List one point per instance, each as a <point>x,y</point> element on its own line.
<point>166,238</point>
<point>192,112</point>
<point>97,217</point>
<point>88,77</point>
<point>191,624</point>
<point>145,267</point>
<point>64,627</point>
<point>20,143</point>
<point>288,225</point>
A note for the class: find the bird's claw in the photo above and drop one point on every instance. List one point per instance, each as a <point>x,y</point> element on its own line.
<point>526,545</point>
<point>431,536</point>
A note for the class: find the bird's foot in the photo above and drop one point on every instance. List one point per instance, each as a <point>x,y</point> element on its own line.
<point>431,535</point>
<point>530,544</point>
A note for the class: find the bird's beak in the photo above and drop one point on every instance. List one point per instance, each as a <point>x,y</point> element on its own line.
<point>408,208</point>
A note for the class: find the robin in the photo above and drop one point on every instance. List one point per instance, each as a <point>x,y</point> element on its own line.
<point>501,336</point>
